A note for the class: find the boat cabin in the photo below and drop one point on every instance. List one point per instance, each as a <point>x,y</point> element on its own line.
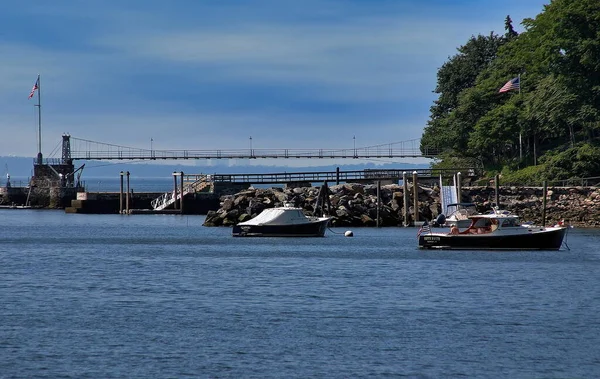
<point>280,216</point>
<point>483,224</point>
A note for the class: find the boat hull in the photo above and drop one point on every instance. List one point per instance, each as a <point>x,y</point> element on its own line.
<point>308,229</point>
<point>542,239</point>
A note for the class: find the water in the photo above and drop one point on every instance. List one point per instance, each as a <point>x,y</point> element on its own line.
<point>157,296</point>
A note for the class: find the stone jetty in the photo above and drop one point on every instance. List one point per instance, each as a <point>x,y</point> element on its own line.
<point>356,204</point>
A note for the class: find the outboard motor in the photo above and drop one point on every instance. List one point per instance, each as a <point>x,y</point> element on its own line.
<point>441,219</point>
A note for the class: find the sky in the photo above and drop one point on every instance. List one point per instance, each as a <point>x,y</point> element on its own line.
<point>207,75</point>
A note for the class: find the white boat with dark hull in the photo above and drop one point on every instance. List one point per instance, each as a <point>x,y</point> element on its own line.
<point>284,221</point>
<point>499,230</point>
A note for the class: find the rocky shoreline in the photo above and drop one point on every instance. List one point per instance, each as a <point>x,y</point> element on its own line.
<point>356,204</point>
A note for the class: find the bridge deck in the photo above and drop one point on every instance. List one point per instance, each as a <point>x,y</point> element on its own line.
<point>80,149</point>
<point>254,154</point>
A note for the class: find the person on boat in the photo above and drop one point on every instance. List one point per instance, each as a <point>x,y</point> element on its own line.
<point>454,229</point>
<point>560,224</point>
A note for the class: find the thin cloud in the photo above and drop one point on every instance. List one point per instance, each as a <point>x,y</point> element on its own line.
<point>191,74</point>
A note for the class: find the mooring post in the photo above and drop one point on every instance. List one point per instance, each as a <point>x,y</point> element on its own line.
<point>545,194</point>
<point>497,188</point>
<point>128,195</point>
<point>415,197</point>
<point>405,187</point>
<point>181,201</point>
<point>174,190</point>
<point>378,200</point>
<point>459,187</point>
<point>121,194</point>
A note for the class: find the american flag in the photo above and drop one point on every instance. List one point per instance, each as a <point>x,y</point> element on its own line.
<point>514,83</point>
<point>425,228</point>
<point>35,87</point>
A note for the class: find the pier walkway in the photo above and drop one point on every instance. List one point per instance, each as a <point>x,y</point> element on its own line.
<point>338,176</point>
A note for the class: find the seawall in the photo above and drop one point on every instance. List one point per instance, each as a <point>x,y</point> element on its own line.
<point>356,204</point>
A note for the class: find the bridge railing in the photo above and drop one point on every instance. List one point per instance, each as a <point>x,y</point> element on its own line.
<point>371,152</point>
<point>342,176</point>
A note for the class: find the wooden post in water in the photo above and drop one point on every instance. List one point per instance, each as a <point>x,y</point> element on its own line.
<point>174,190</point>
<point>545,194</point>
<point>121,194</point>
<point>378,200</point>
<point>497,187</point>
<point>459,187</point>
<point>128,195</point>
<point>181,201</point>
<point>415,197</point>
<point>405,186</point>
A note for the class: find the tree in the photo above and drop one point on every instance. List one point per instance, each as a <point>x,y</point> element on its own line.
<point>510,31</point>
<point>456,75</point>
<point>558,109</point>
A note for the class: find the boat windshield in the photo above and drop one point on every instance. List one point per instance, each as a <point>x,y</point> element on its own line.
<point>460,211</point>
<point>511,222</point>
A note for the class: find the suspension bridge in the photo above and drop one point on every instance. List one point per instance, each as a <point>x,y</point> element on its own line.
<point>83,149</point>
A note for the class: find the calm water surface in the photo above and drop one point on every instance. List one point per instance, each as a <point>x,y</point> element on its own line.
<point>157,296</point>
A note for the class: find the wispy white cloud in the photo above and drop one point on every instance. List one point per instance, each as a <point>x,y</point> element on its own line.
<point>195,73</point>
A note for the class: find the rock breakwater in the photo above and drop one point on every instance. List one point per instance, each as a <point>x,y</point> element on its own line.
<point>356,204</point>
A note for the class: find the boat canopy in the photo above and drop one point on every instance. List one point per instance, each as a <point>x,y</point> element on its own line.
<point>279,216</point>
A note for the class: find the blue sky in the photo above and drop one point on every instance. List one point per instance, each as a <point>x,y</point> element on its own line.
<point>195,74</point>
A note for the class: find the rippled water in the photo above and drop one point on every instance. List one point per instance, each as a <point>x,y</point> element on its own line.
<point>111,296</point>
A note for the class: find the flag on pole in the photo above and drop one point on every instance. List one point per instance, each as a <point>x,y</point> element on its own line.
<point>514,83</point>
<point>425,228</point>
<point>35,87</point>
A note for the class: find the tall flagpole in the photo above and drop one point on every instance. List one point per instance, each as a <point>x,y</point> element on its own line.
<point>520,132</point>
<point>39,105</point>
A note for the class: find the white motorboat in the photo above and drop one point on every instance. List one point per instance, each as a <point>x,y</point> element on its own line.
<point>286,221</point>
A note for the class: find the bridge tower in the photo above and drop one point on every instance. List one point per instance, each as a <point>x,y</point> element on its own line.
<point>66,149</point>
<point>55,172</point>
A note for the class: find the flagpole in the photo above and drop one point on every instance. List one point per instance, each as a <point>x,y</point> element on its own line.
<point>39,105</point>
<point>520,132</point>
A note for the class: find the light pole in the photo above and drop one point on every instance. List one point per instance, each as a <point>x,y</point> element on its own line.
<point>251,152</point>
<point>354,139</point>
<point>151,147</point>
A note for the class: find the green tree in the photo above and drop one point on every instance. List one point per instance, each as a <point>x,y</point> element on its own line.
<point>557,111</point>
<point>510,31</point>
<point>456,75</point>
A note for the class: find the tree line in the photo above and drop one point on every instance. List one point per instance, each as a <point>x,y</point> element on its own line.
<point>546,125</point>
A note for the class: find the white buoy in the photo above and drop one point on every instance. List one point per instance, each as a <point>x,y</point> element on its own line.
<point>349,233</point>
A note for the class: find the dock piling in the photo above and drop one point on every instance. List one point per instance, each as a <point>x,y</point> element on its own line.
<point>415,197</point>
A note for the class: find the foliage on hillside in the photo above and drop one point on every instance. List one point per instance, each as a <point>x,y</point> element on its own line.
<point>552,122</point>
